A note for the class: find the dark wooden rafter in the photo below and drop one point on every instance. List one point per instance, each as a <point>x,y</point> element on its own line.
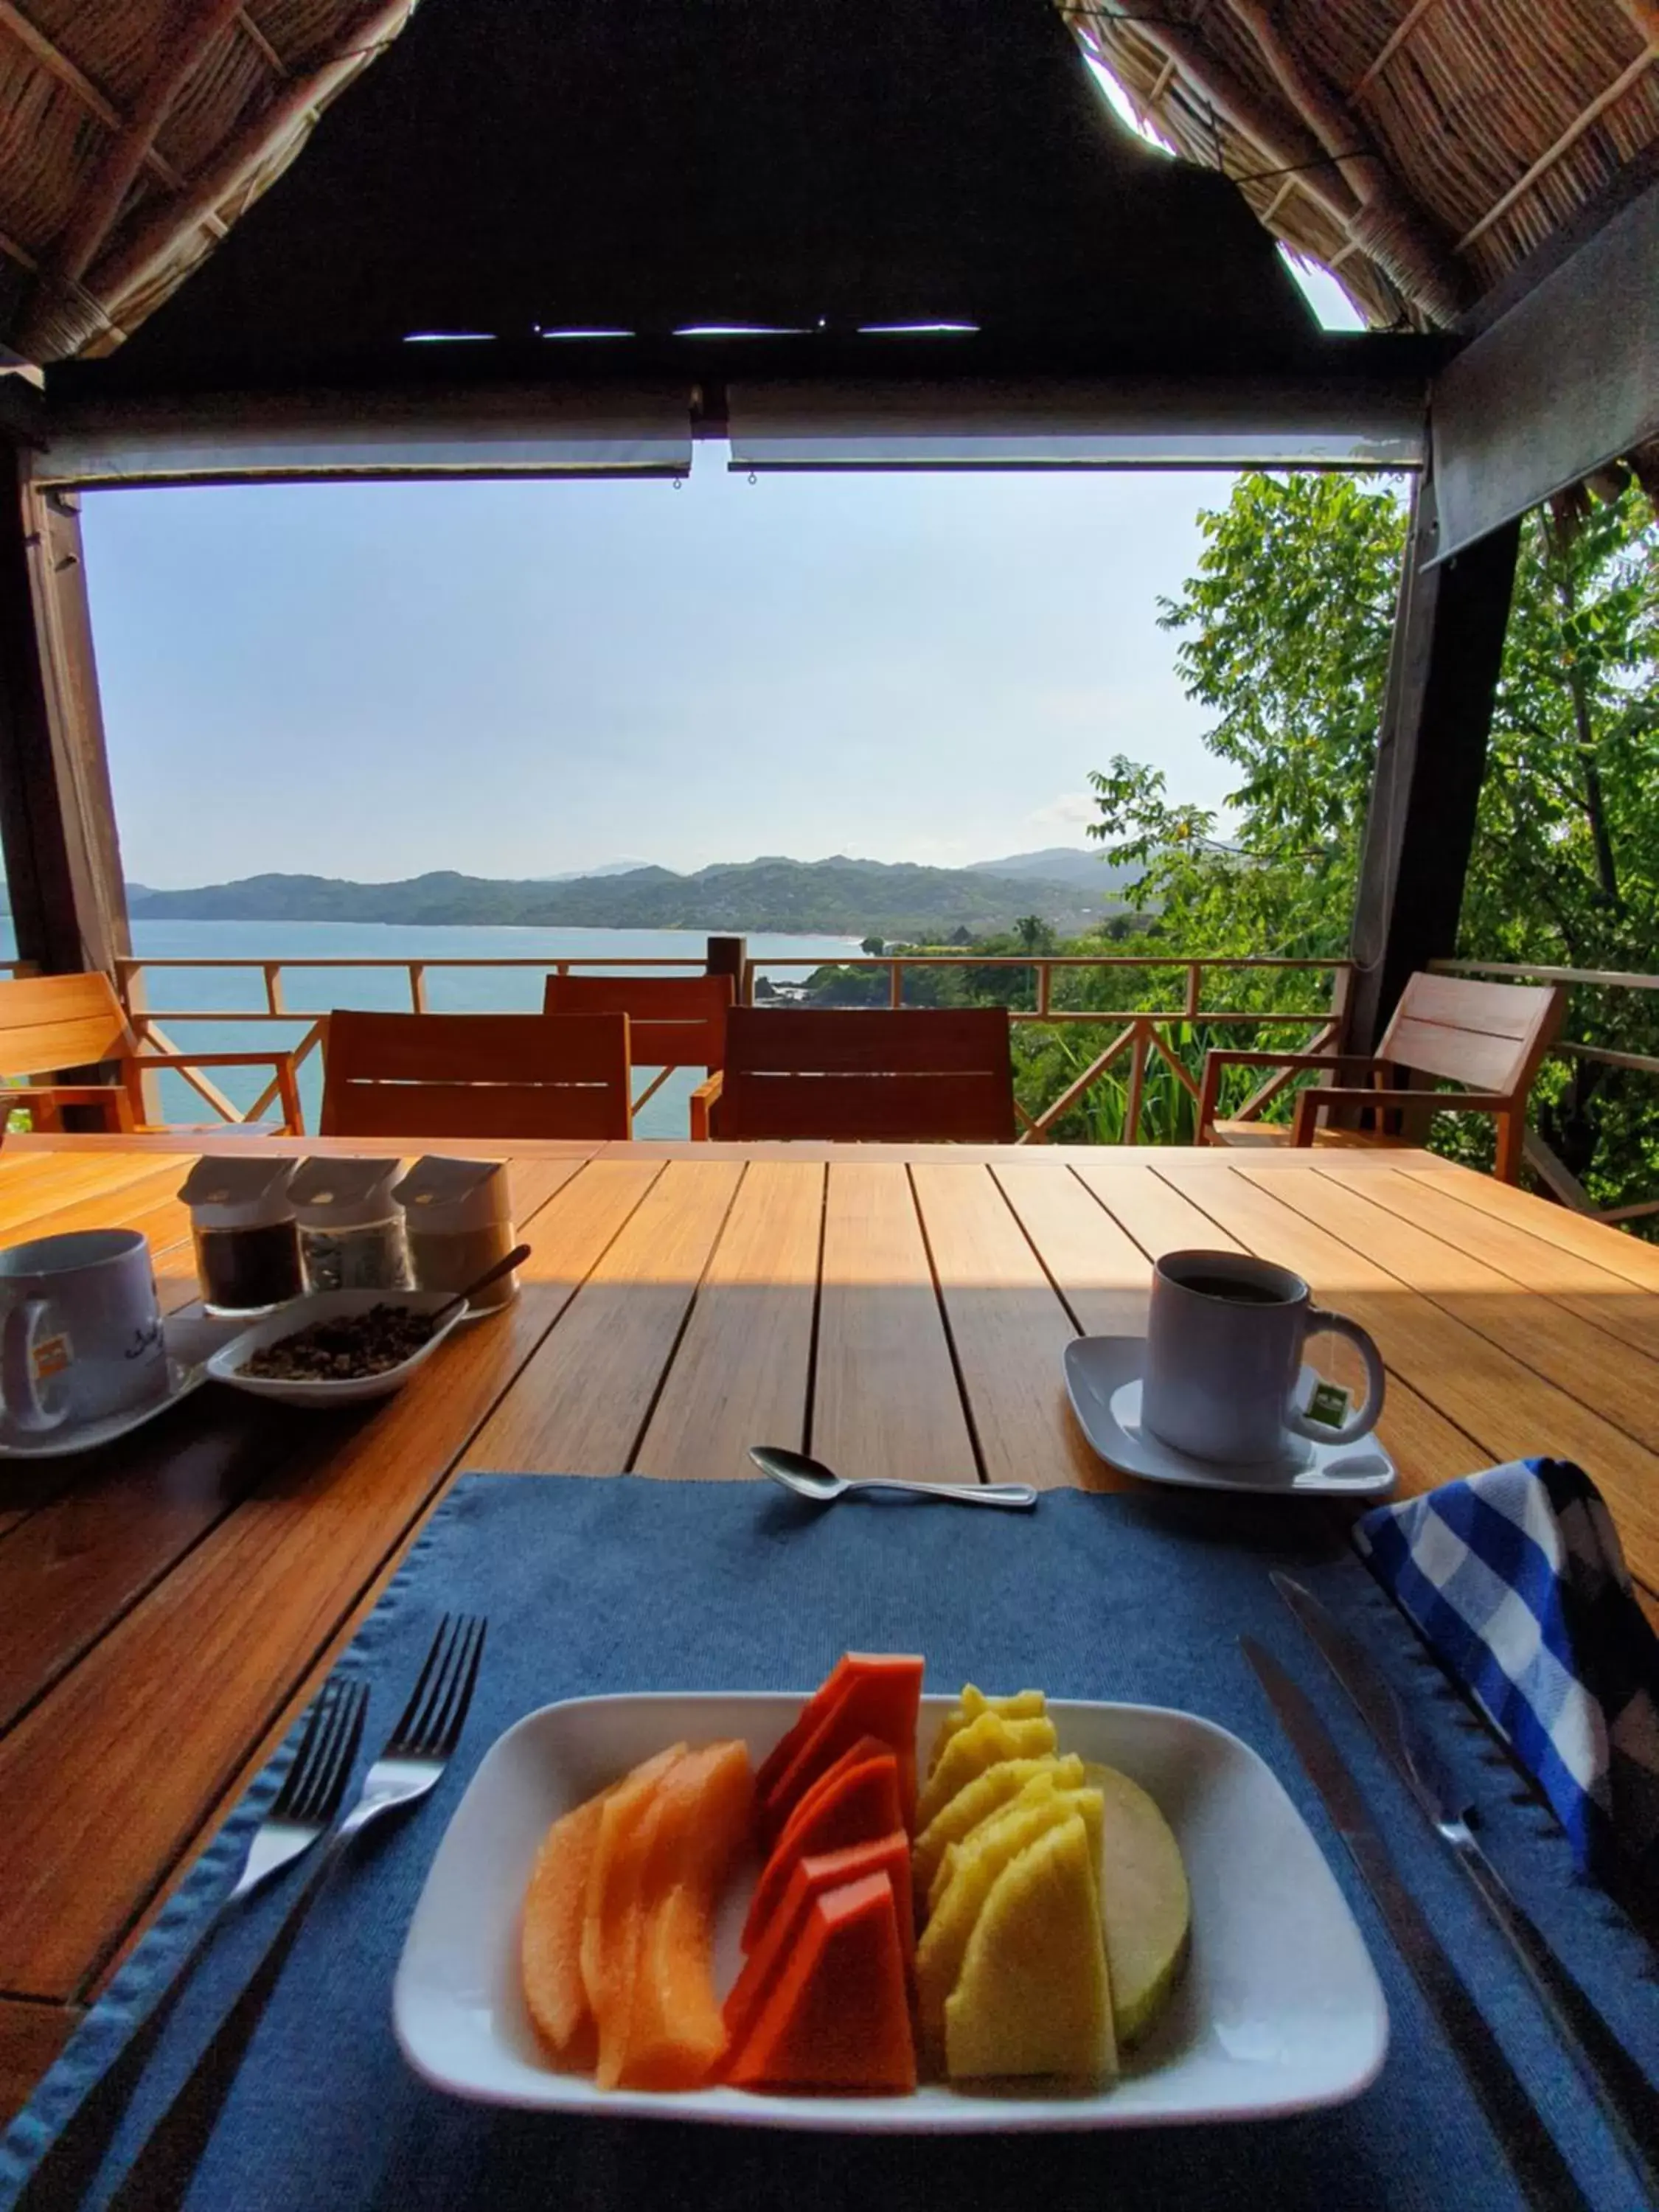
<point>1432,758</point>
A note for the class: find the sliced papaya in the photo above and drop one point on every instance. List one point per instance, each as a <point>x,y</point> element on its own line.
<point>550,1939</point>
<point>777,1760</point>
<point>882,1697</point>
<point>613,1908</point>
<point>809,1878</point>
<point>674,2032</point>
<point>854,1803</point>
<point>837,2017</point>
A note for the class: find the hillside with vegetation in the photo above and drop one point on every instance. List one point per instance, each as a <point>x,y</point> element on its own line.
<point>837,897</point>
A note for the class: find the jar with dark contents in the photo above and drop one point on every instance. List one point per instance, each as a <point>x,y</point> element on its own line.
<point>247,1240</point>
<point>459,1220</point>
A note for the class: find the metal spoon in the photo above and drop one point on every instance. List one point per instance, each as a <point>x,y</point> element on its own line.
<point>810,1478</point>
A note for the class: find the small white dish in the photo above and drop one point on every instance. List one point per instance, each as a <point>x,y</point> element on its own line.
<point>1278,2010</point>
<point>229,1365</point>
<point>1103,1379</point>
<point>190,1339</point>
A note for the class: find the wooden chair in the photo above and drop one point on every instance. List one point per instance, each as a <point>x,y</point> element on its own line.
<point>674,1021</point>
<point>904,1075</point>
<point>50,1022</point>
<point>476,1075</point>
<point>1490,1038</point>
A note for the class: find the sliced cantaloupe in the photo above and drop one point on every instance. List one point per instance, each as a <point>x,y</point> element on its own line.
<point>881,1696</point>
<point>1032,1997</point>
<point>811,1877</point>
<point>855,1802</point>
<point>674,2032</point>
<point>613,1908</point>
<point>977,1799</point>
<point>1022,1706</point>
<point>985,1743</point>
<point>837,2017</point>
<point>550,1938</point>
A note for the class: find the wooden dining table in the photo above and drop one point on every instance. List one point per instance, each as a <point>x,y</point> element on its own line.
<point>168,1603</point>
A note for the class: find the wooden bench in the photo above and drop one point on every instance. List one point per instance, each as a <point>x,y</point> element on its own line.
<point>476,1075</point>
<point>907,1075</point>
<point>1490,1038</point>
<point>673,1021</point>
<point>49,1024</point>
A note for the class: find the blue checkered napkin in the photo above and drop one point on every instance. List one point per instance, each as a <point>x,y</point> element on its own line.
<point>1515,1580</point>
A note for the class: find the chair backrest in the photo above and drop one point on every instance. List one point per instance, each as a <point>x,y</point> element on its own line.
<point>905,1075</point>
<point>53,1022</point>
<point>475,1075</point>
<point>1487,1037</point>
<point>674,1021</point>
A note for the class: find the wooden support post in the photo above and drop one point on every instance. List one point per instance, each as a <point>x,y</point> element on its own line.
<point>1431,758</point>
<point>57,816</point>
<point>729,956</point>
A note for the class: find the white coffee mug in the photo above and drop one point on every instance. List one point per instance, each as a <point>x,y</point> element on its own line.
<point>1224,1355</point>
<point>80,1329</point>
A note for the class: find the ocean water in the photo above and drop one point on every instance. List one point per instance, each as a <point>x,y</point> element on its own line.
<point>220,992</point>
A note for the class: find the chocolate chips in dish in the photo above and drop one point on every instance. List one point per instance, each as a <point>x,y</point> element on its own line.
<point>344,1349</point>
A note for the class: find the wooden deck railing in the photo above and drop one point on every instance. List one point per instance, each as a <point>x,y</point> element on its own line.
<point>1546,1164</point>
<point>1138,1035</point>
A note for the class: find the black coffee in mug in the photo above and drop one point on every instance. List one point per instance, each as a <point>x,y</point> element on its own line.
<point>1233,1287</point>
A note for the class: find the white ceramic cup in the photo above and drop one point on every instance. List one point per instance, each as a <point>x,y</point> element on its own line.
<point>1224,1355</point>
<point>80,1329</point>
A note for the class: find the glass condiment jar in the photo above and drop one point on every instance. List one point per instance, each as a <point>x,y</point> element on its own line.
<point>351,1228</point>
<point>241,1220</point>
<point>459,1217</point>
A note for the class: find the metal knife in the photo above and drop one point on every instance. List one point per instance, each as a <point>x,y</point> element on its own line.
<point>1545,2178</point>
<point>1629,2101</point>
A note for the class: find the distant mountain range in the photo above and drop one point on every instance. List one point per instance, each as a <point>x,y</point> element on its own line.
<point>838,897</point>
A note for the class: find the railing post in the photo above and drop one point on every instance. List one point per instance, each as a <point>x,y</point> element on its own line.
<point>729,956</point>
<point>417,987</point>
<point>273,976</point>
<point>1137,1085</point>
<point>1045,981</point>
<point>1195,988</point>
<point>895,983</point>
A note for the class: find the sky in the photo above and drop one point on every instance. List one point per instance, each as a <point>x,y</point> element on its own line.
<point>520,679</point>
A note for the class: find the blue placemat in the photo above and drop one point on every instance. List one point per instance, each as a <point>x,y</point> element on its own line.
<point>629,1584</point>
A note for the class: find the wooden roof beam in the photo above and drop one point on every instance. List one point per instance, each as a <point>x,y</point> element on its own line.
<point>1569,138</point>
<point>1390,227</point>
<point>180,55</point>
<point>1391,45</point>
<point>131,263</point>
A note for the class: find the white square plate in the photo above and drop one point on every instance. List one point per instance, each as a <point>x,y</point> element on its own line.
<point>1279,2011</point>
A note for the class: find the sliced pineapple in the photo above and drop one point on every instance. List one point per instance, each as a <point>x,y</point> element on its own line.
<point>1032,1997</point>
<point>984,1743</point>
<point>1022,1706</point>
<point>1089,1803</point>
<point>986,1794</point>
<point>977,1863</point>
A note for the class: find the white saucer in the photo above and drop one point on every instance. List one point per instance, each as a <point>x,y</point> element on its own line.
<point>190,1339</point>
<point>1103,1379</point>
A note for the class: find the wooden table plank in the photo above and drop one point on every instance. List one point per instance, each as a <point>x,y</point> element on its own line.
<point>1425,1447</point>
<point>1620,1253</point>
<point>1010,1331</point>
<point>742,1375</point>
<point>885,1397</point>
<point>1099,1270</point>
<point>584,1400</point>
<point>34,1184</point>
<point>1594,1293</point>
<point>1494,1398</point>
<point>159,1711</point>
<point>1584,1361</point>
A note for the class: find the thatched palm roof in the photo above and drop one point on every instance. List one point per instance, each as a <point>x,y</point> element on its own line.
<point>1422,148</point>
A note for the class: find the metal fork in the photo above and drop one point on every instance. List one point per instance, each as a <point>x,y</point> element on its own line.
<point>415,1756</point>
<point>312,1791</point>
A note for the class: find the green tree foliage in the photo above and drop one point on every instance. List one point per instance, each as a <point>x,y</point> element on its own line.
<point>1285,635</point>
